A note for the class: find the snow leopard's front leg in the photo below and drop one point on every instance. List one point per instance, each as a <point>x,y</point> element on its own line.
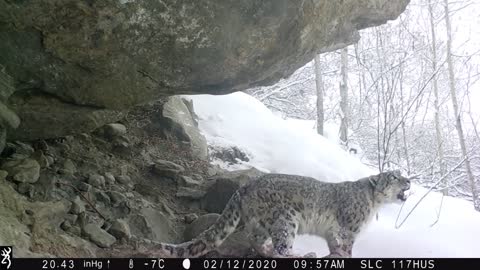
<point>283,232</point>
<point>275,240</point>
<point>340,243</point>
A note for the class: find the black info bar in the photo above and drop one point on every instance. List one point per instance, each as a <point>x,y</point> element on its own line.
<point>237,263</point>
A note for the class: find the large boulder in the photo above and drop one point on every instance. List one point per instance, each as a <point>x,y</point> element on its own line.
<point>166,168</point>
<point>113,54</point>
<point>99,236</point>
<point>152,224</point>
<point>24,170</point>
<point>222,187</point>
<point>179,122</point>
<point>6,84</point>
<point>45,116</point>
<point>7,117</point>
<point>12,207</point>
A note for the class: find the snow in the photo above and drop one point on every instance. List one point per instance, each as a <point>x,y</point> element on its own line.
<point>292,146</point>
<point>273,144</point>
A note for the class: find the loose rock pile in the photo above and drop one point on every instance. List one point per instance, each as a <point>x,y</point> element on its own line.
<point>121,185</point>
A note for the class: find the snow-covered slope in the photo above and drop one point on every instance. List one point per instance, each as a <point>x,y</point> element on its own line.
<point>285,146</point>
<point>274,144</point>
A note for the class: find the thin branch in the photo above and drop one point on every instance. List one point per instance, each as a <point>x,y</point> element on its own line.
<point>83,196</point>
<point>397,226</point>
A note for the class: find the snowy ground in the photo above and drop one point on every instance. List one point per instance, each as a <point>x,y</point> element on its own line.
<point>291,146</point>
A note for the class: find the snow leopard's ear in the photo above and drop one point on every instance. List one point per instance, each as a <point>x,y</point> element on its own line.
<point>373,181</point>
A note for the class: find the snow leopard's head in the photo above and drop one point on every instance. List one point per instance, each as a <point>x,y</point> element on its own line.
<point>390,186</point>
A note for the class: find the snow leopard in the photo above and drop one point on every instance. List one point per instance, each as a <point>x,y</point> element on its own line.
<point>275,208</point>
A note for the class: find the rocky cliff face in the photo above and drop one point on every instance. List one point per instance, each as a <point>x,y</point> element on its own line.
<point>86,58</point>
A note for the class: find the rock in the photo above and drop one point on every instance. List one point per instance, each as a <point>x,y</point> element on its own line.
<point>84,137</point>
<point>68,167</point>
<point>45,116</point>
<point>190,193</point>
<point>84,187</point>
<point>96,180</point>
<point>3,174</point>
<point>50,159</point>
<point>124,209</point>
<point>197,177</point>
<point>124,179</point>
<point>121,145</point>
<point>3,138</point>
<point>101,196</point>
<point>237,243</point>
<point>13,231</point>
<point>167,210</point>
<point>186,181</point>
<point>86,218</point>
<point>71,218</point>
<point>26,189</point>
<point>20,150</point>
<point>214,170</point>
<point>151,224</point>
<point>107,225</point>
<point>78,206</point>
<point>116,197</point>
<point>75,230</point>
<point>166,168</point>
<point>99,236</point>
<point>25,170</point>
<point>114,130</point>
<point>82,219</point>
<point>66,225</point>
<point>23,188</point>
<point>41,159</point>
<point>48,186</point>
<point>120,229</point>
<point>41,145</point>
<point>124,169</point>
<point>8,117</point>
<point>219,194</point>
<point>27,219</point>
<point>43,233</point>
<point>223,187</point>
<point>178,122</point>
<point>232,155</point>
<point>137,51</point>
<point>190,218</point>
<point>48,218</point>
<point>109,178</point>
<point>7,87</point>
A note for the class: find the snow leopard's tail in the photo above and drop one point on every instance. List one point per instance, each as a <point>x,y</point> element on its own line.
<point>211,238</point>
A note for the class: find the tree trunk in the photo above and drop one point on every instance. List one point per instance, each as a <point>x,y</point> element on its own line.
<point>404,132</point>
<point>320,90</point>
<point>438,130</point>
<point>458,124</point>
<point>344,97</point>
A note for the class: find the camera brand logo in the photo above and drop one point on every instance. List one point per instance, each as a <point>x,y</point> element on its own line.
<point>6,255</point>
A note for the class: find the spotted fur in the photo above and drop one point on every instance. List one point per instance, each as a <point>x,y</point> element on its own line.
<point>277,207</point>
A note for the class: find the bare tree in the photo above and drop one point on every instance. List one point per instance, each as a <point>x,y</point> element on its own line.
<point>320,90</point>
<point>438,131</point>
<point>344,97</point>
<point>458,121</point>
